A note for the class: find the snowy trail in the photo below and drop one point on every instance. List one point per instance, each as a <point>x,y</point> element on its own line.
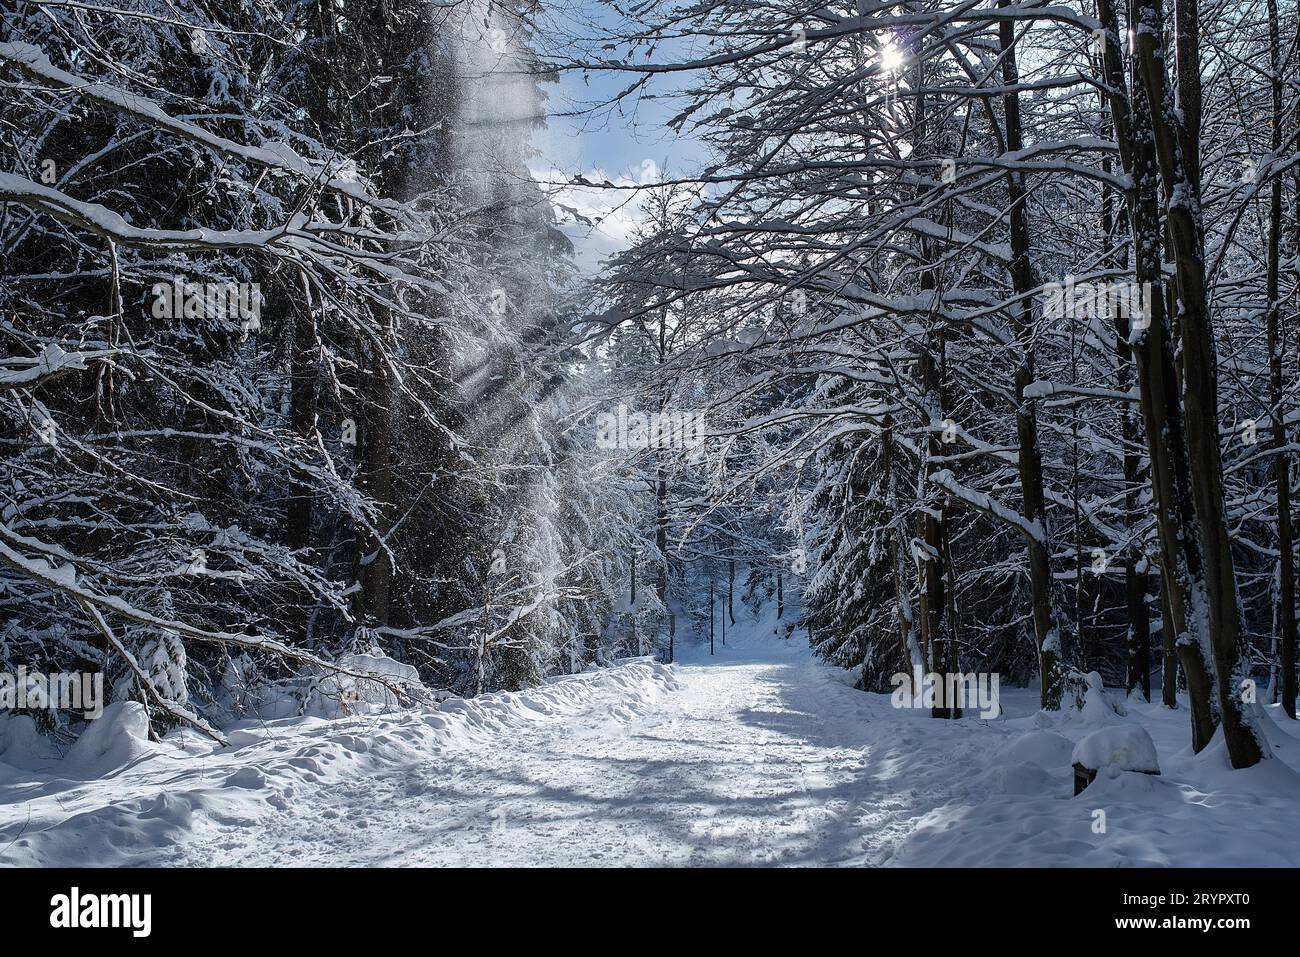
<point>756,756</point>
<point>731,770</point>
<point>734,766</point>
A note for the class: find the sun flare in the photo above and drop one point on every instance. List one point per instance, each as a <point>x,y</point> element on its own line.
<point>891,57</point>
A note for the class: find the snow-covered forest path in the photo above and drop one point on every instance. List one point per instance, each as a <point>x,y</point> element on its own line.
<point>757,755</point>
<point>743,762</point>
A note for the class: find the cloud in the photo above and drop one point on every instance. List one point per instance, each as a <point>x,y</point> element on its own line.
<point>600,213</point>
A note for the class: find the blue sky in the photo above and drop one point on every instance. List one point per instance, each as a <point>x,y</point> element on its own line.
<point>628,143</point>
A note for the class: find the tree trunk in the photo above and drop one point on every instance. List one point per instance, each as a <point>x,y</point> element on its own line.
<point>636,640</point>
<point>909,642</point>
<point>710,616</point>
<point>1281,461</point>
<point>1136,578</point>
<point>1169,653</point>
<point>304,375</point>
<point>661,530</point>
<point>1030,465</point>
<point>930,535</point>
<point>377,469</point>
<point>1176,521</point>
<point>731,584</point>
<point>1214,584</point>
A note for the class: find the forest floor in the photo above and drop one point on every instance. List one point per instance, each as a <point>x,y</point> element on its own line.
<point>755,755</point>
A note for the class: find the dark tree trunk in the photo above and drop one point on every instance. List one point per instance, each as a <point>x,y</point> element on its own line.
<point>304,376</point>
<point>930,533</point>
<point>1030,465</point>
<point>1216,579</point>
<point>1281,461</point>
<point>780,596</point>
<point>731,584</point>
<point>1169,653</point>
<point>661,531</point>
<point>1176,521</point>
<point>1136,578</point>
<point>377,470</point>
<point>710,616</point>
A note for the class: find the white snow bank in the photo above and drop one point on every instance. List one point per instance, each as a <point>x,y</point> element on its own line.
<point>19,739</point>
<point>117,737</point>
<point>1020,778</point>
<point>1122,748</point>
<point>1002,796</point>
<point>1031,764</point>
<point>1043,748</point>
<point>335,695</point>
<point>158,802</point>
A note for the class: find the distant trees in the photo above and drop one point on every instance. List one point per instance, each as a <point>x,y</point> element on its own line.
<point>1016,228</point>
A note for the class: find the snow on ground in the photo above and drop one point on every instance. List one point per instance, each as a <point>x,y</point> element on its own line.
<point>757,755</point>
